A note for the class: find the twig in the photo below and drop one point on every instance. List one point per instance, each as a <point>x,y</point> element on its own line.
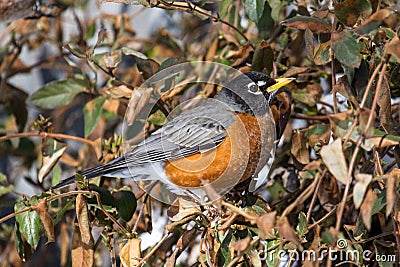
<point>44,134</point>
<point>348,183</point>
<point>369,85</point>
<point>154,249</point>
<point>304,195</point>
<point>314,198</point>
<point>326,216</point>
<point>67,194</point>
<point>356,150</point>
<point>183,6</point>
<point>332,55</point>
<point>239,211</point>
<point>306,117</point>
<point>140,214</point>
<point>374,103</point>
<point>9,216</point>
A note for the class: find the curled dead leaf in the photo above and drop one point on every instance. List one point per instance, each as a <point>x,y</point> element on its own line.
<point>47,221</point>
<point>333,157</point>
<point>366,208</point>
<point>266,224</point>
<point>392,182</point>
<point>130,253</point>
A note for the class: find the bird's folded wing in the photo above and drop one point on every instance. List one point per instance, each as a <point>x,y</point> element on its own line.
<point>201,129</point>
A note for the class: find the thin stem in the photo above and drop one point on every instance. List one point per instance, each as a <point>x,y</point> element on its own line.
<point>374,103</point>
<point>314,198</point>
<point>154,249</point>
<point>369,85</point>
<point>44,134</point>
<point>304,195</point>
<point>183,6</point>
<point>239,211</point>
<point>306,117</point>
<point>348,183</point>
<point>9,216</point>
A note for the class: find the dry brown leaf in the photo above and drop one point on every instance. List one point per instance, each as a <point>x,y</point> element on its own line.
<point>299,148</point>
<point>363,117</point>
<point>64,239</point>
<point>183,210</point>
<point>130,253</point>
<point>111,105</point>
<point>286,231</point>
<point>366,208</point>
<point>360,188</point>
<point>333,157</point>
<point>343,87</point>
<point>139,98</point>
<point>383,142</point>
<point>241,244</point>
<point>380,15</point>
<point>393,47</point>
<point>266,224</point>
<point>316,25</point>
<point>328,192</point>
<point>47,221</point>
<point>392,182</point>
<point>213,49</point>
<point>293,71</point>
<point>384,102</point>
<point>83,220</point>
<point>82,254</point>
<point>183,242</point>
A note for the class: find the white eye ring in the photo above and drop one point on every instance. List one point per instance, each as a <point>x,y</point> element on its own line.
<point>253,89</point>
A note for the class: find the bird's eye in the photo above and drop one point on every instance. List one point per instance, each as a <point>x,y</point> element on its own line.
<point>253,88</point>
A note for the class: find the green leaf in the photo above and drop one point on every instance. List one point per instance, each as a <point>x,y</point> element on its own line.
<point>29,224</point>
<point>263,58</point>
<point>60,214</point>
<point>346,49</point>
<point>130,52</point>
<point>224,7</point>
<point>321,53</point>
<point>19,243</point>
<point>272,256</point>
<point>157,118</point>
<point>4,189</point>
<point>224,254</point>
<point>254,9</point>
<point>56,177</point>
<point>91,113</point>
<point>125,202</point>
<point>276,6</point>
<point>105,196</point>
<point>3,177</point>
<point>302,226</point>
<point>58,93</point>
<point>380,202</point>
<point>109,60</point>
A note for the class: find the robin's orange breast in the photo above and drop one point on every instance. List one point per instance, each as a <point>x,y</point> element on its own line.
<point>236,158</point>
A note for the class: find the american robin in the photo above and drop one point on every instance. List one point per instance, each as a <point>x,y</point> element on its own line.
<point>220,143</point>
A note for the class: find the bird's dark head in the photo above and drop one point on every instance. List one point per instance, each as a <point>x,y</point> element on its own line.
<point>251,92</point>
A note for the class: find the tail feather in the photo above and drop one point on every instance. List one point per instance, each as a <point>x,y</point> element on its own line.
<point>88,174</point>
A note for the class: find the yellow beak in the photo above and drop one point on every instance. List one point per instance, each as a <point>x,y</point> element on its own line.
<point>280,82</point>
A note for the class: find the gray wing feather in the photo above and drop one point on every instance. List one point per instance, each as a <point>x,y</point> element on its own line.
<point>198,130</point>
